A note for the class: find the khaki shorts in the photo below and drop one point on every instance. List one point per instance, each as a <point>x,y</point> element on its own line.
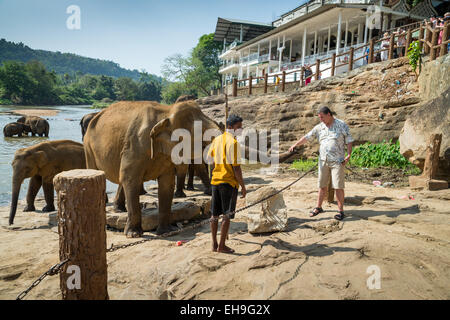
<point>337,172</point>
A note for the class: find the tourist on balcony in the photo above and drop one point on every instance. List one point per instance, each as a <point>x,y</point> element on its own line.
<point>308,74</point>
<point>401,42</point>
<point>385,47</point>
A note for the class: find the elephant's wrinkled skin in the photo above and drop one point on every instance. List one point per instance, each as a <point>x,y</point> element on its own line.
<point>131,143</point>
<point>42,162</point>
<point>38,125</point>
<point>16,128</point>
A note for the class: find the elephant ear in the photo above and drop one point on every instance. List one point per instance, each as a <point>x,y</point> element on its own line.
<point>40,158</point>
<point>156,144</point>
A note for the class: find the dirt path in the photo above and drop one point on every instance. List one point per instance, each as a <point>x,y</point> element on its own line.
<point>315,258</point>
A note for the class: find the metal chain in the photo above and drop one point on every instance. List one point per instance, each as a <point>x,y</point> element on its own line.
<point>50,272</point>
<point>206,221</point>
<point>57,267</point>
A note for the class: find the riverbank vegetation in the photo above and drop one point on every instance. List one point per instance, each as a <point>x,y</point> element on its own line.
<point>370,155</point>
<point>32,84</point>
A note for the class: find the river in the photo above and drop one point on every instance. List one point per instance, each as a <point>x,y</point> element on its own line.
<point>64,125</point>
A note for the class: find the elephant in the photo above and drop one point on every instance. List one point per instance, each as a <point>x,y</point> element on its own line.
<point>131,143</point>
<point>84,123</point>
<point>200,170</point>
<point>16,128</point>
<point>42,162</point>
<point>38,125</point>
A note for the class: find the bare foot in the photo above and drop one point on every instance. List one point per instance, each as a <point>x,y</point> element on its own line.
<point>225,249</point>
<point>214,247</point>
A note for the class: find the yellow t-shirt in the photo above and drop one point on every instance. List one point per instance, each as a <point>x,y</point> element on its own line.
<point>226,152</point>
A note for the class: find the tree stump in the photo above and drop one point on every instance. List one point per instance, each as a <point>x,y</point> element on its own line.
<point>82,234</point>
<point>427,179</point>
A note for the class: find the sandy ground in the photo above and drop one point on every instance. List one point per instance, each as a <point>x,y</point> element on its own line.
<point>315,258</point>
<point>36,112</point>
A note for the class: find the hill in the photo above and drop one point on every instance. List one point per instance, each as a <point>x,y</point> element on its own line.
<point>63,63</point>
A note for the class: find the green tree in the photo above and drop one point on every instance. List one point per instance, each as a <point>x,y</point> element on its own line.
<point>126,89</point>
<point>172,91</point>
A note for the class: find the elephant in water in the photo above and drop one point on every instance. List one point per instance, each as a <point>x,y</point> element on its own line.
<point>38,125</point>
<point>131,143</point>
<point>16,128</point>
<point>42,162</point>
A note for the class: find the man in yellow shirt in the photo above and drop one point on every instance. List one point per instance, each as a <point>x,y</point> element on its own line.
<point>226,178</point>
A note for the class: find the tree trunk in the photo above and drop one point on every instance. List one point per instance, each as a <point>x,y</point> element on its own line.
<point>82,234</point>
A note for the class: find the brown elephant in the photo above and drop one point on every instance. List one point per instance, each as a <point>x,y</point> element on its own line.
<point>16,128</point>
<point>42,162</point>
<point>38,125</point>
<point>131,143</point>
<point>199,170</point>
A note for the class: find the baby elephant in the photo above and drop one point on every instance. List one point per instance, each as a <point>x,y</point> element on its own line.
<point>16,128</point>
<point>42,162</point>
<point>37,124</point>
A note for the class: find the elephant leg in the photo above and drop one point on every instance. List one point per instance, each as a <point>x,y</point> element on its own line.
<point>181,177</point>
<point>191,173</point>
<point>166,184</point>
<point>133,228</point>
<point>49,197</point>
<point>119,201</point>
<point>143,191</point>
<point>33,188</point>
<point>202,173</point>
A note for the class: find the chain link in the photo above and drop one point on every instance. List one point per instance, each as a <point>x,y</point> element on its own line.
<point>50,272</point>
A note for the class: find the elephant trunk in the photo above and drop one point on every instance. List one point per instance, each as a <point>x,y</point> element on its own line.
<point>17,182</point>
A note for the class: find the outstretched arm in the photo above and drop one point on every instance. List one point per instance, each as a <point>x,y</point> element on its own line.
<point>303,140</point>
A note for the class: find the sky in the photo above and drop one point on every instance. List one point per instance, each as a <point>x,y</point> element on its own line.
<point>137,34</point>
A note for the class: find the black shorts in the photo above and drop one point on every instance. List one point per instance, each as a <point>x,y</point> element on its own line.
<point>224,197</point>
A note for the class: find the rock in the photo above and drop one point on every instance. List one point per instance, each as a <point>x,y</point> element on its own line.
<point>268,216</point>
<point>180,212</point>
<point>433,80</point>
<point>432,117</point>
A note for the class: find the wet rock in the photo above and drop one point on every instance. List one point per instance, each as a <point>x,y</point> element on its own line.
<point>268,216</point>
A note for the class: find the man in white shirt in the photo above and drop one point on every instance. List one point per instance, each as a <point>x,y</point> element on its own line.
<point>333,135</point>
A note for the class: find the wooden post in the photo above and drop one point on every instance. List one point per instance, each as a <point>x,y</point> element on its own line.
<point>333,64</point>
<point>82,234</point>
<point>350,59</point>
<point>330,196</point>
<point>317,69</point>
<point>427,179</point>
<point>371,47</point>
<point>234,87</point>
<point>391,47</point>
<point>445,35</point>
<point>427,38</point>
<point>302,76</point>
<point>226,110</point>
<point>266,80</point>
<point>408,41</point>
<point>421,36</point>
<point>250,85</point>
<point>434,41</point>
<point>283,84</point>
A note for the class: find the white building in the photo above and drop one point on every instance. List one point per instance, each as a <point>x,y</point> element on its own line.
<point>314,30</point>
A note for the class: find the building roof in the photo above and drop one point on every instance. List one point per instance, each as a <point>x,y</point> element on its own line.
<point>230,29</point>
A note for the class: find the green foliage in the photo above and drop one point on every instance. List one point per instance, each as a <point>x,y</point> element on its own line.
<point>304,165</point>
<point>414,54</point>
<point>65,63</point>
<point>172,91</point>
<point>413,3</point>
<point>32,84</point>
<point>199,71</point>
<point>385,154</point>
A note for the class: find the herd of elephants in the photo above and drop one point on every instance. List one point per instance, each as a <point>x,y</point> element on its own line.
<point>130,142</point>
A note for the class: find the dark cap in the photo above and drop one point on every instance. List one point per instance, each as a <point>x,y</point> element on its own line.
<point>233,119</point>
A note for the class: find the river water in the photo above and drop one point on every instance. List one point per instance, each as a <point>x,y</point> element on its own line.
<point>64,125</point>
